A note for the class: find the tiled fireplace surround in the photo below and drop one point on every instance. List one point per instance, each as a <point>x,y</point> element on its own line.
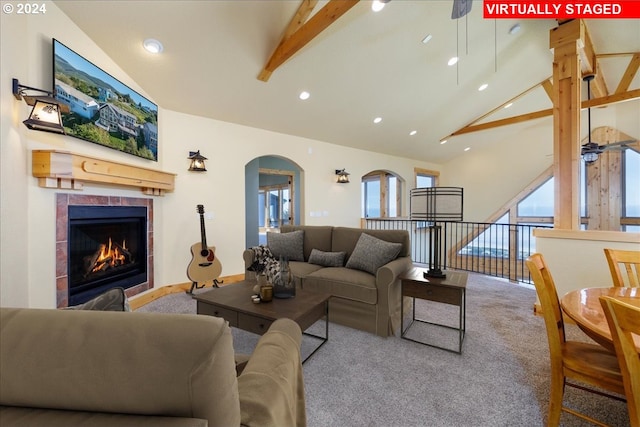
<point>63,201</point>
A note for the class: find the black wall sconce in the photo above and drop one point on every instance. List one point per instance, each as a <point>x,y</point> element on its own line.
<point>343,176</point>
<point>45,114</point>
<point>197,161</point>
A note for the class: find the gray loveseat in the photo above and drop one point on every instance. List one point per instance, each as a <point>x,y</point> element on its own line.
<point>104,369</point>
<point>360,299</point>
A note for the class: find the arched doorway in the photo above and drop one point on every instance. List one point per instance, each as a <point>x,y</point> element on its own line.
<point>272,196</point>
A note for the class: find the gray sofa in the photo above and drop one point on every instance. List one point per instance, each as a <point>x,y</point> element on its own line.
<point>105,369</point>
<point>360,299</point>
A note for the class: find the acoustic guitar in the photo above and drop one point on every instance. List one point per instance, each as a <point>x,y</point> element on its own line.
<point>204,265</point>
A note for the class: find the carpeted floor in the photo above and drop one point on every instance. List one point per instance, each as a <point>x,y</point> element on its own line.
<point>501,378</point>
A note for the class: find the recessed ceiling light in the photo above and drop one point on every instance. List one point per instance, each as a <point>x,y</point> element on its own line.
<point>304,95</point>
<point>427,38</point>
<point>508,105</point>
<point>452,61</point>
<point>152,46</point>
<point>444,141</point>
<point>514,29</point>
<point>413,132</point>
<point>378,5</point>
<point>483,87</point>
<point>467,149</point>
<point>377,120</point>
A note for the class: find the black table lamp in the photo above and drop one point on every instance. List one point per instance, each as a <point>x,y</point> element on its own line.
<point>434,204</point>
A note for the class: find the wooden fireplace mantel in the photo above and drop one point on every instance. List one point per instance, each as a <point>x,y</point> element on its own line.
<point>63,169</point>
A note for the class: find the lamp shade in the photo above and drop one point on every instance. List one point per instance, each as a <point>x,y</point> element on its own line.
<point>45,116</point>
<point>436,203</point>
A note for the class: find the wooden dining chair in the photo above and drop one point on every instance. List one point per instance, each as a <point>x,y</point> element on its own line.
<point>624,323</point>
<point>585,362</point>
<point>627,260</point>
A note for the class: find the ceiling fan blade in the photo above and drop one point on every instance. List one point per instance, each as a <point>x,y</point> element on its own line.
<point>620,145</point>
<point>461,8</point>
<point>628,141</point>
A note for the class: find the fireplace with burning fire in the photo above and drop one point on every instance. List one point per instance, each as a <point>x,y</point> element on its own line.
<point>107,248</point>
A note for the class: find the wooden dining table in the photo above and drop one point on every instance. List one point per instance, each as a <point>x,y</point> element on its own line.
<point>584,308</point>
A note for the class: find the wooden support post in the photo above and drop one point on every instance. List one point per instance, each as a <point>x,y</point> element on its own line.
<point>567,40</point>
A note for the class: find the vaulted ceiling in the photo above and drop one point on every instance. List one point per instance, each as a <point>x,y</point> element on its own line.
<point>362,66</point>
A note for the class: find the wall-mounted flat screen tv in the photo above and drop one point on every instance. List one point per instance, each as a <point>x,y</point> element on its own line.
<point>102,109</point>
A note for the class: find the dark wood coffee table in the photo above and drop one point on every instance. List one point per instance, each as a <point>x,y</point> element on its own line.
<point>233,303</point>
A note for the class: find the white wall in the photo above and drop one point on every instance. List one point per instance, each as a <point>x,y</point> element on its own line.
<point>576,259</point>
<point>27,212</point>
<point>493,174</point>
<point>229,147</point>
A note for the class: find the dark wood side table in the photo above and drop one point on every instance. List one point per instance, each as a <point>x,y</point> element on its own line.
<point>450,290</point>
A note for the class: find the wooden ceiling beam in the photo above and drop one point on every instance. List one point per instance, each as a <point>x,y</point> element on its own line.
<point>612,99</point>
<point>629,73</point>
<point>503,122</point>
<point>298,20</point>
<point>547,85</point>
<point>589,65</point>
<point>596,102</point>
<point>303,34</point>
<point>514,99</point>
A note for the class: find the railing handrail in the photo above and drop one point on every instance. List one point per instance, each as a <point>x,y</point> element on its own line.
<point>500,254</point>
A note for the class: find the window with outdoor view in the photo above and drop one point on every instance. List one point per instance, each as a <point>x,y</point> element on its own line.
<point>631,191</point>
<point>381,195</point>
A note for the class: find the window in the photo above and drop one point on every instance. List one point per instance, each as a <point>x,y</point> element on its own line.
<point>371,198</point>
<point>528,210</point>
<point>392,205</point>
<point>423,181</point>
<point>539,203</point>
<point>274,206</point>
<point>631,190</point>
<point>526,240</point>
<point>613,191</point>
<point>426,178</point>
<point>492,242</point>
<point>583,190</point>
<point>381,195</point>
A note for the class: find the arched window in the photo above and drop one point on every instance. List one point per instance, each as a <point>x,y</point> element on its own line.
<point>381,195</point>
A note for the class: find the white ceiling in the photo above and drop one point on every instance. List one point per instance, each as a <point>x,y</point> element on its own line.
<point>364,65</point>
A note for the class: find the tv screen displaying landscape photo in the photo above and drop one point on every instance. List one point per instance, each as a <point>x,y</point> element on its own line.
<point>102,109</point>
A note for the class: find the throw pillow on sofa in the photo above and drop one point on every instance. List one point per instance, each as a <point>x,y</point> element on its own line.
<point>327,259</point>
<point>372,253</point>
<point>287,245</point>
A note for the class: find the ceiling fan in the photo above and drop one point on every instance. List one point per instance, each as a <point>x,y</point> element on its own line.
<point>461,8</point>
<point>591,150</point>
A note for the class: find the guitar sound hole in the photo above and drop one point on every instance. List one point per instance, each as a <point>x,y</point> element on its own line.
<point>204,252</point>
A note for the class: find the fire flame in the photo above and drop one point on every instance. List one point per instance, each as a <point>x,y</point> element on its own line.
<point>110,256</point>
